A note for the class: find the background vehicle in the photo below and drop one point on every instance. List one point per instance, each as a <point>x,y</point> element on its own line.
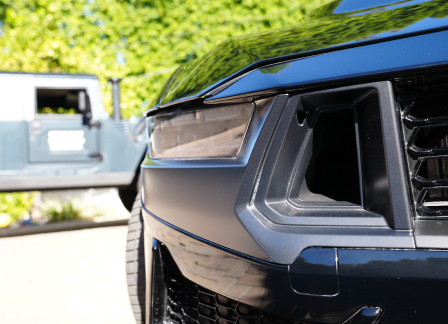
<point>55,134</point>
<point>299,176</point>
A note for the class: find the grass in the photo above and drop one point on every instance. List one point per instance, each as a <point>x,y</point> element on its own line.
<point>58,211</point>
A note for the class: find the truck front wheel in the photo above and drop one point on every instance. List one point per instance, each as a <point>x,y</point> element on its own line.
<point>135,262</point>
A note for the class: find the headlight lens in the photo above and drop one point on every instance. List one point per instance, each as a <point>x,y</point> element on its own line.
<point>214,132</point>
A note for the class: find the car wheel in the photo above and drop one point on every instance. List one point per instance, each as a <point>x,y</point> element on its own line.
<point>135,262</point>
<point>127,197</point>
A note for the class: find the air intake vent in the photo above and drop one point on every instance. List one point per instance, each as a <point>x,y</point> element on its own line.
<point>424,103</point>
<point>177,300</point>
<point>334,136</point>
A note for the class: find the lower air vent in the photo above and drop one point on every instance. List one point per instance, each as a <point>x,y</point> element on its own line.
<point>177,300</point>
<point>424,103</point>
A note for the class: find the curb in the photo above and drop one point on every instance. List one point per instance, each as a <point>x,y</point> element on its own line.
<point>59,227</point>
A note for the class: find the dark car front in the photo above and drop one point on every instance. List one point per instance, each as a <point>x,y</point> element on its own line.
<point>300,176</point>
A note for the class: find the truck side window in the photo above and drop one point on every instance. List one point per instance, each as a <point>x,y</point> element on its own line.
<point>62,101</point>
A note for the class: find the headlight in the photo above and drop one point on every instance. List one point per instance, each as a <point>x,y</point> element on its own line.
<point>214,132</point>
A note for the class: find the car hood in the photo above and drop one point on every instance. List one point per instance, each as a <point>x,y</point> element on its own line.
<point>337,25</point>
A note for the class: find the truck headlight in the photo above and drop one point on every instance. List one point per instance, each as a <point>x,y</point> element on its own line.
<point>213,132</point>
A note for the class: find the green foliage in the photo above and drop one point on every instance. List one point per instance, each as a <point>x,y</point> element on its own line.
<point>60,110</point>
<point>16,204</point>
<point>59,211</point>
<point>130,37</point>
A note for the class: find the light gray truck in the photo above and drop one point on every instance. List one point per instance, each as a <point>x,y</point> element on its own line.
<point>56,134</point>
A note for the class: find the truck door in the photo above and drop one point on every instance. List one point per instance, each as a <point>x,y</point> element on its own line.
<point>60,130</point>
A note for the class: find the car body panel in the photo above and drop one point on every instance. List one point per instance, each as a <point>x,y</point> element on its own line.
<point>380,60</point>
<point>328,30</point>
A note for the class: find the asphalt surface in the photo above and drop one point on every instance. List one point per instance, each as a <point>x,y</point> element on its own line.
<point>66,277</point>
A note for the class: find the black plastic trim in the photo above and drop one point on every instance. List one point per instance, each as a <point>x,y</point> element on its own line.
<point>278,187</point>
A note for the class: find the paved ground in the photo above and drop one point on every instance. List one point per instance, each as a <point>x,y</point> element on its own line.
<point>67,277</point>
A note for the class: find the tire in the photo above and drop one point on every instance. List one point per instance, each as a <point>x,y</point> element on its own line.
<point>135,262</point>
<point>129,195</point>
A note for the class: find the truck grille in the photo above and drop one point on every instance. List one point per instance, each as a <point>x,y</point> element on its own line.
<point>122,126</point>
<point>424,103</point>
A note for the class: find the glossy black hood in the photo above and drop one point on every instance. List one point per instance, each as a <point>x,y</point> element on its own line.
<point>340,24</point>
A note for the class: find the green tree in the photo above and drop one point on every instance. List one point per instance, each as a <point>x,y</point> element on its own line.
<point>126,38</point>
<point>16,204</point>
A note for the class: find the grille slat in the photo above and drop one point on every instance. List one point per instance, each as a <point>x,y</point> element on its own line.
<point>425,127</point>
<point>415,122</point>
<point>417,152</point>
<point>420,182</point>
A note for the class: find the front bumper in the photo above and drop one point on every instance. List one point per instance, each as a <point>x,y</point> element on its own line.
<point>407,285</point>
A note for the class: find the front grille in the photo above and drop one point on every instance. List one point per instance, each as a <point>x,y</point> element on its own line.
<point>177,300</point>
<point>424,103</point>
<point>190,303</point>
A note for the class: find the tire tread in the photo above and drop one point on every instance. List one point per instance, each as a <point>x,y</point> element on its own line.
<point>135,262</point>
